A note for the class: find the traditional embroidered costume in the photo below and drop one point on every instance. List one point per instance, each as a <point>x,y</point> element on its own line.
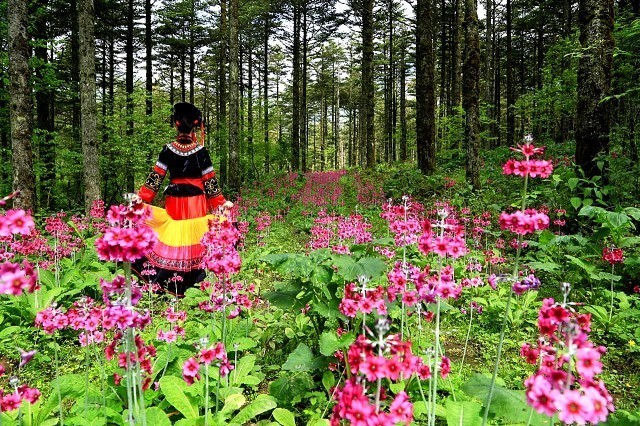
<point>192,193</point>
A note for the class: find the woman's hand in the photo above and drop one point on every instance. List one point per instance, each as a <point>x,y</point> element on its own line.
<point>227,205</point>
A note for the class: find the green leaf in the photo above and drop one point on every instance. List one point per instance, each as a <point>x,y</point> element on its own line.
<point>284,417</point>
<point>328,380</point>
<point>463,413</point>
<point>617,220</point>
<point>634,212</point>
<point>572,183</point>
<point>157,417</point>
<point>242,372</point>
<point>173,389</point>
<point>350,270</point>
<point>261,404</point>
<point>575,202</point>
<point>505,403</point>
<point>302,359</point>
<point>233,403</point>
<point>8,331</point>
<point>330,343</point>
<point>291,388</point>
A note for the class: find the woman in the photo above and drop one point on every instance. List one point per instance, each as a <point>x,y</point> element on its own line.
<point>192,193</point>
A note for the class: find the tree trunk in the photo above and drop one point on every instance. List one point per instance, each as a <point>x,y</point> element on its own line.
<point>222,134</point>
<point>20,106</point>
<point>75,73</point>
<point>304,119</point>
<point>367,101</point>
<point>472,93</point>
<point>90,153</point>
<point>457,54</point>
<point>265,85</point>
<point>403,100</point>
<point>295,125</point>
<point>129,90</point>
<point>594,82</point>
<point>488,75</point>
<point>425,89</point>
<point>148,42</point>
<point>44,114</point>
<point>234,101</point>
<point>511,90</point>
<point>250,147</point>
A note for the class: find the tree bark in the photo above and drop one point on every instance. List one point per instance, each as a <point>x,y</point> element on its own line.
<point>265,85</point>
<point>295,125</point>
<point>20,106</point>
<point>472,93</point>
<point>222,134</point>
<point>234,101</point>
<point>304,119</point>
<point>44,114</point>
<point>511,90</point>
<point>90,153</point>
<point>594,82</point>
<point>129,174</point>
<point>403,101</point>
<point>367,101</point>
<point>148,42</point>
<point>457,54</point>
<point>425,89</point>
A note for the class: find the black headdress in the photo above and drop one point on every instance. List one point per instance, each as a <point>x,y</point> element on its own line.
<point>186,116</point>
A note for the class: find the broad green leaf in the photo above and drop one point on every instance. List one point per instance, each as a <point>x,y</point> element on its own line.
<point>233,403</point>
<point>157,417</point>
<point>634,212</point>
<point>617,220</point>
<point>302,359</point>
<point>261,404</point>
<point>350,270</point>
<point>284,417</point>
<point>243,343</point>
<point>173,389</point>
<point>463,413</point>
<point>330,342</point>
<point>505,403</point>
<point>572,183</point>
<point>242,370</point>
<point>8,331</point>
<point>328,380</point>
<point>291,388</point>
<point>575,202</point>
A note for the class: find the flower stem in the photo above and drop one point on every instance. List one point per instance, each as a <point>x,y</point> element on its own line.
<point>611,307</point>
<point>435,364</point>
<point>466,342</point>
<point>206,395</point>
<point>497,363</point>
<point>57,366</point>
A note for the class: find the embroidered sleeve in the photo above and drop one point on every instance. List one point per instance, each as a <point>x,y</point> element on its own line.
<point>154,180</point>
<point>211,187</point>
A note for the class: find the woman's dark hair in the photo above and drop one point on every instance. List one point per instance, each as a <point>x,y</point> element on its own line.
<point>186,116</point>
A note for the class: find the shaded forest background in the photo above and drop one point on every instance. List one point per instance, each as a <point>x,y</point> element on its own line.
<point>308,85</point>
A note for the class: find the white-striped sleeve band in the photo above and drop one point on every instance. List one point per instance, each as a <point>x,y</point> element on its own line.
<point>207,170</point>
<point>161,166</point>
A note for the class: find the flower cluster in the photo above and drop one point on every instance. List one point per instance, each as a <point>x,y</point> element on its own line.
<point>207,355</point>
<point>128,238</point>
<point>565,383</point>
<point>354,406</point>
<point>524,222</point>
<point>236,295</point>
<point>16,278</point>
<point>10,401</point>
<point>612,255</point>
<point>528,283</point>
<point>328,229</point>
<point>362,300</point>
<point>392,360</point>
<point>528,167</point>
<point>177,318</point>
<point>221,256</point>
<point>404,221</point>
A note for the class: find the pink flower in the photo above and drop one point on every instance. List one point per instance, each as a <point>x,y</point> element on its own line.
<point>573,407</point>
<point>588,362</point>
<point>190,370</point>
<point>401,409</point>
